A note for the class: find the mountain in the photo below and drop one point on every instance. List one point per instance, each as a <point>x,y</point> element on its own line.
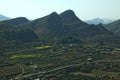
<point>69,17</point>
<point>2,17</point>
<point>54,25</point>
<point>48,26</point>
<point>64,28</point>
<point>114,27</point>
<point>17,21</point>
<point>67,25</point>
<point>98,21</point>
<point>107,21</point>
<point>10,36</point>
<point>9,32</point>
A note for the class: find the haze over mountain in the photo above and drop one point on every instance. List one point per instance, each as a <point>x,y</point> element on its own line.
<point>98,21</point>
<point>2,17</point>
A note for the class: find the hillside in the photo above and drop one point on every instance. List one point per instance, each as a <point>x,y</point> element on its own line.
<point>17,21</point>
<point>11,36</point>
<point>114,27</point>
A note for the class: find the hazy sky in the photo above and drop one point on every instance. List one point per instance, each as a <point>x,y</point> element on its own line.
<point>84,9</point>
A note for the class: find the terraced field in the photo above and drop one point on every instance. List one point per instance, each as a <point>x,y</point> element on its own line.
<point>60,62</point>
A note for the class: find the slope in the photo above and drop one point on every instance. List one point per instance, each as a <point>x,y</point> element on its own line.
<point>114,27</point>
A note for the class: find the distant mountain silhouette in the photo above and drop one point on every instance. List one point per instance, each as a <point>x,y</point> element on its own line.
<point>2,17</point>
<point>98,21</point>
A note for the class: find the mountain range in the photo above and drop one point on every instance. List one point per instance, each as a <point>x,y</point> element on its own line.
<point>67,24</point>
<point>98,21</point>
<point>62,28</point>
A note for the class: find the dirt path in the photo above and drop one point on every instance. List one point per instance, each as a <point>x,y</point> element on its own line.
<point>23,71</point>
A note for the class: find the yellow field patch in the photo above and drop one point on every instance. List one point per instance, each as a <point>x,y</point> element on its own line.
<point>24,56</point>
<point>44,47</point>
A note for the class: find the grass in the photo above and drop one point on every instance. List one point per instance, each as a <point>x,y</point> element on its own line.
<point>85,74</point>
<point>7,70</point>
<point>97,73</point>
